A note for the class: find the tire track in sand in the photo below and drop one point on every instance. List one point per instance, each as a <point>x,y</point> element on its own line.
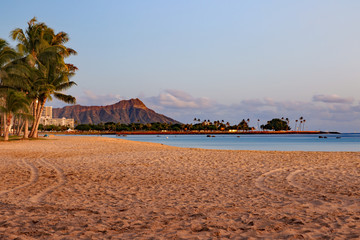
<point>291,179</point>
<point>260,183</point>
<point>34,177</point>
<point>319,199</point>
<point>61,180</point>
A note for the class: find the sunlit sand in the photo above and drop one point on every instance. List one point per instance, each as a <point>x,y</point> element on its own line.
<point>102,188</point>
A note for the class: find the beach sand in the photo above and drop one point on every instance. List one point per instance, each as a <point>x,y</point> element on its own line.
<point>103,188</point>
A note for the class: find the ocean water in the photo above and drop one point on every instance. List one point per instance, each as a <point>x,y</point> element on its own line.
<point>349,142</point>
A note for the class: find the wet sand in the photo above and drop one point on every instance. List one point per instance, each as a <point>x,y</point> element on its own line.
<point>103,188</point>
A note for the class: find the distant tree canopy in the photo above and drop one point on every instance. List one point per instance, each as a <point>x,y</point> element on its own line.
<point>276,124</point>
<point>243,125</point>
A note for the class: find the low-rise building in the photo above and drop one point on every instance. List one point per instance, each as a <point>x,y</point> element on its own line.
<point>47,119</point>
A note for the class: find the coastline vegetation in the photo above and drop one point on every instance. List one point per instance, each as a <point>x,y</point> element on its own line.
<point>206,125</point>
<point>31,74</point>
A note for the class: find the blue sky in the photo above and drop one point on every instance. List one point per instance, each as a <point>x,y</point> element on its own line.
<point>212,59</point>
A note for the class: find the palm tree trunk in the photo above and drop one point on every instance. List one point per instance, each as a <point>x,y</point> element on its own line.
<point>33,105</point>
<point>35,126</point>
<point>1,125</point>
<point>16,125</point>
<point>6,126</point>
<point>26,126</point>
<point>26,129</point>
<point>20,128</point>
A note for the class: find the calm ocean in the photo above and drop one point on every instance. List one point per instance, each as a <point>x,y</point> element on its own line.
<point>333,142</point>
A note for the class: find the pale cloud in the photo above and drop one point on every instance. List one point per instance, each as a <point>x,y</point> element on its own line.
<point>179,99</point>
<point>332,99</point>
<point>89,98</point>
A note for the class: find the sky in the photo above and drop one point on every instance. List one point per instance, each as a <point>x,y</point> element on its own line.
<point>217,60</point>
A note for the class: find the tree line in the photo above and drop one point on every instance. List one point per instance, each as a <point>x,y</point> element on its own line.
<point>275,124</point>
<point>32,73</point>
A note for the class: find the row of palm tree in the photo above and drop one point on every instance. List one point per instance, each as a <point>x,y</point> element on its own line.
<point>301,126</point>
<point>301,121</point>
<point>33,73</point>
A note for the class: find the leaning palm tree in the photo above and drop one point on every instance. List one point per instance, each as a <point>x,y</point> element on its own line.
<point>44,51</point>
<point>15,102</point>
<point>7,54</point>
<point>52,82</point>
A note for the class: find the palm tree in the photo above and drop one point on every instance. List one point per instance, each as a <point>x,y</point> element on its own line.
<point>55,80</point>
<point>301,120</point>
<point>296,121</point>
<point>44,51</point>
<point>20,77</point>
<point>258,122</point>
<point>304,124</point>
<point>15,102</point>
<point>7,54</point>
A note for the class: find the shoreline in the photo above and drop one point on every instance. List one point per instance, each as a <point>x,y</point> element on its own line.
<point>93,187</point>
<point>165,132</point>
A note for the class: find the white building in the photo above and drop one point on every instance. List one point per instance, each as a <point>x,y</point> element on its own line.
<point>47,119</point>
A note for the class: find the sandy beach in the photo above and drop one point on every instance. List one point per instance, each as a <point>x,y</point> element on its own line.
<point>103,188</point>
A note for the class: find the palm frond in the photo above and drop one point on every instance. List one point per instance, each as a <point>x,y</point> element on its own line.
<point>65,98</point>
<point>65,86</point>
<point>32,21</point>
<point>18,34</point>
<point>60,38</point>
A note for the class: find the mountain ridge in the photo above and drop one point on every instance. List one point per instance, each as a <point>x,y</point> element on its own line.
<point>124,111</point>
